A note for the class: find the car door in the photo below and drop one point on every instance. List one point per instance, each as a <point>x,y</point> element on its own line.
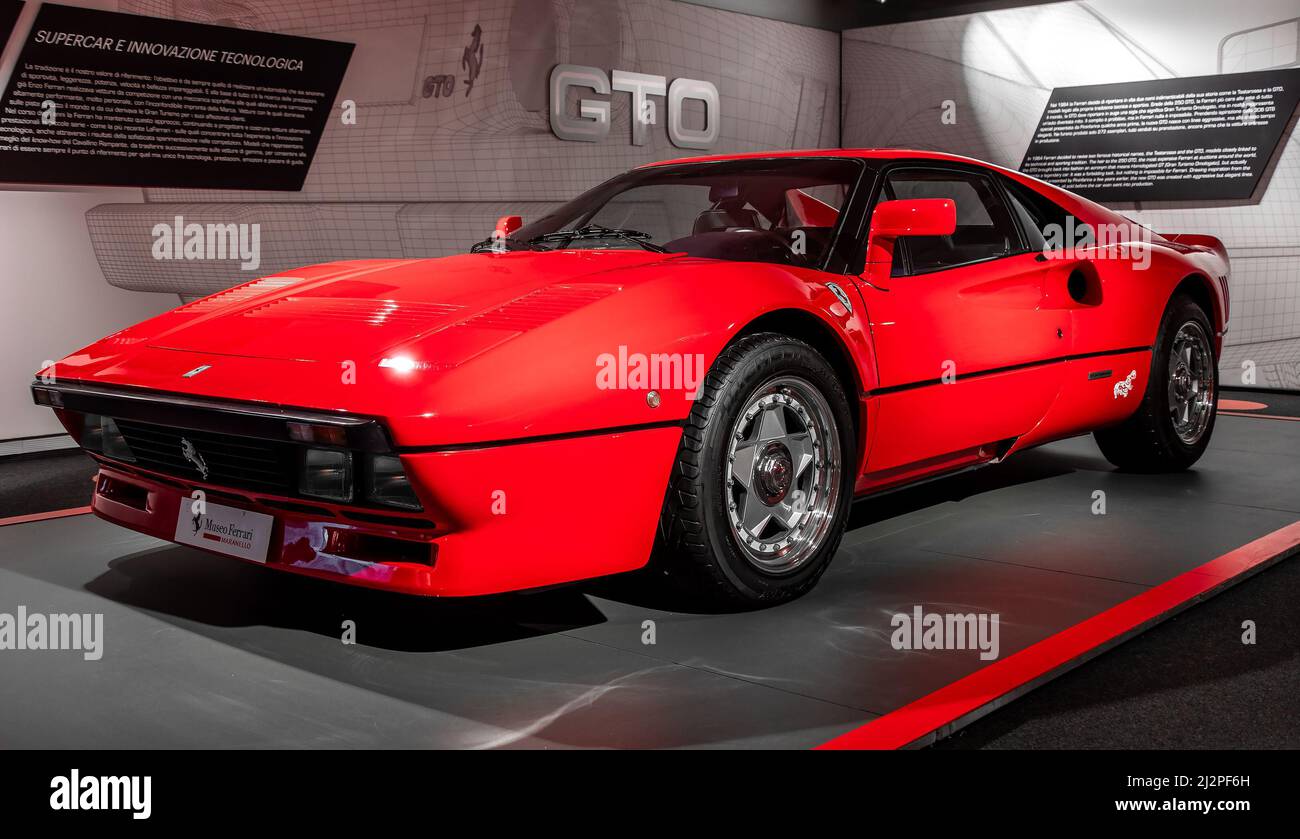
<point>964,347</point>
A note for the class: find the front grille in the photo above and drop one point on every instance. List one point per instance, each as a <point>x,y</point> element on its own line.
<point>233,461</point>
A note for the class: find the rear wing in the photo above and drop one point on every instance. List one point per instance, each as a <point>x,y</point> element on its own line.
<point>1200,242</point>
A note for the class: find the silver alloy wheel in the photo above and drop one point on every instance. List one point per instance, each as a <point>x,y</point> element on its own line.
<point>783,474</point>
<point>1191,382</point>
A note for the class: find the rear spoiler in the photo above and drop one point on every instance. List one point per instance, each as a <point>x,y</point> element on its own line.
<point>1201,242</point>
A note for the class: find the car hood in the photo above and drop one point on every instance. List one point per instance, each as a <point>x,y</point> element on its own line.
<point>464,350</point>
<point>452,308</point>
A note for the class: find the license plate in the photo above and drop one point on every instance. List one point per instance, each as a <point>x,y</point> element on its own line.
<point>226,530</point>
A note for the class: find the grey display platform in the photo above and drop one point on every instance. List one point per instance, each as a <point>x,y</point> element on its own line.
<point>201,651</point>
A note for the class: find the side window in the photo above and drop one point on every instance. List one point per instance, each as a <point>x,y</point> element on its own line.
<point>1046,225</point>
<point>984,226</point>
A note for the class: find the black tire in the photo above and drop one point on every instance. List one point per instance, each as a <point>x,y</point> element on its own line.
<point>1148,441</point>
<point>697,546</point>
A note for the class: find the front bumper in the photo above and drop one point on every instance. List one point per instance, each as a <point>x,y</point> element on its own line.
<point>498,518</point>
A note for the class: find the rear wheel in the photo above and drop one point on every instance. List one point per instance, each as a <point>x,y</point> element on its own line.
<point>1171,428</point>
<point>763,480</point>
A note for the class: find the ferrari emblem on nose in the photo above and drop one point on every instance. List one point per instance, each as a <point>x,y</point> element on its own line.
<point>196,371</point>
<point>192,455</point>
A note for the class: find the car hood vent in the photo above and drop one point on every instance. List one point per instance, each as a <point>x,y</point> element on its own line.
<point>540,307</point>
<point>375,313</point>
<point>239,294</point>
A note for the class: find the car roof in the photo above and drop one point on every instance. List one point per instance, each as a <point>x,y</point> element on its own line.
<point>875,154</point>
<point>1086,209</point>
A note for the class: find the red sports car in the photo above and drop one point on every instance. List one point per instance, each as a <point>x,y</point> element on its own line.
<point>699,363</point>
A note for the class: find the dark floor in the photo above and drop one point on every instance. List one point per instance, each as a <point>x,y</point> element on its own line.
<point>43,481</point>
<point>1276,403</point>
<point>204,651</point>
<point>1189,683</point>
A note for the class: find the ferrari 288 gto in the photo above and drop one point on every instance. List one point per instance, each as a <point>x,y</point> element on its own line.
<point>698,365</point>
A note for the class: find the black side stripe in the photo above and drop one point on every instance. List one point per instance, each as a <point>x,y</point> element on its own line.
<point>542,438</point>
<point>621,429</point>
<point>881,391</point>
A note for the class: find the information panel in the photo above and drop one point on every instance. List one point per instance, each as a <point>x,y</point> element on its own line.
<point>1195,138</point>
<point>126,100</point>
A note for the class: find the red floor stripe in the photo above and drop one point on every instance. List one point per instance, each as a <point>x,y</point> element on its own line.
<point>963,697</point>
<point>52,514</point>
<point>1240,405</point>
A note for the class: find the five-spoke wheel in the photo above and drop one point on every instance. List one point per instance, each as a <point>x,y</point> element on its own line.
<point>763,481</point>
<point>782,471</point>
<point>1191,382</point>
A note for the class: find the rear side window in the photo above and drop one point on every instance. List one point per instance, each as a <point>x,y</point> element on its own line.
<point>1046,225</point>
<point>984,226</point>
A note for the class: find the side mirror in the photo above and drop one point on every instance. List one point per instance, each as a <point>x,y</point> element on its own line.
<point>911,217</point>
<point>509,224</point>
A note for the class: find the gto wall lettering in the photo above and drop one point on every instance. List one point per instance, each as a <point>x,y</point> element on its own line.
<point>591,125</point>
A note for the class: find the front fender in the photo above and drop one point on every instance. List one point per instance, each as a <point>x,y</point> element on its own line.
<point>661,328</point>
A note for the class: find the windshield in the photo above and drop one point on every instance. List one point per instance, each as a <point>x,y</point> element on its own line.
<point>784,211</point>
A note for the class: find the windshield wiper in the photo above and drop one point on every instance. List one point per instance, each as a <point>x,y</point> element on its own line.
<point>494,244</point>
<point>596,231</point>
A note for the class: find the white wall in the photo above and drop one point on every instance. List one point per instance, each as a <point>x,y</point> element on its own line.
<point>53,297</point>
<point>418,177</point>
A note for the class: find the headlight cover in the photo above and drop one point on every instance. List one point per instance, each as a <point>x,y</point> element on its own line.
<point>388,483</point>
<point>327,474</point>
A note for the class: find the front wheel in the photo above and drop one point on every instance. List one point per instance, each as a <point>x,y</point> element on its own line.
<point>763,481</point>
<point>1171,428</point>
